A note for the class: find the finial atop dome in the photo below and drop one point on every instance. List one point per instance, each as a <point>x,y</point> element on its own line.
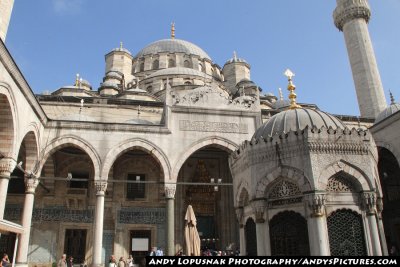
<point>391,98</point>
<point>173,30</point>
<point>77,80</point>
<point>291,87</point>
<point>234,56</point>
<point>120,45</point>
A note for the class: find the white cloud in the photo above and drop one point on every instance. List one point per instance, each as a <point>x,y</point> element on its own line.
<point>67,6</point>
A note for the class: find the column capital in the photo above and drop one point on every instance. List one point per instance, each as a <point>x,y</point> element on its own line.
<point>7,166</point>
<point>101,187</point>
<point>31,182</point>
<point>369,201</point>
<point>316,203</point>
<point>259,206</point>
<point>379,207</point>
<point>239,214</point>
<point>348,10</point>
<point>170,190</point>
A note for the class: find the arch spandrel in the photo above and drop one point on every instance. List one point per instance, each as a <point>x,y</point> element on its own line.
<point>137,143</point>
<point>72,141</point>
<point>220,142</point>
<point>6,92</point>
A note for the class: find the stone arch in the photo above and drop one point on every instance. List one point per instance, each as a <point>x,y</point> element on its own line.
<point>31,151</point>
<point>347,168</point>
<point>74,141</point>
<point>243,195</point>
<point>8,122</point>
<point>139,143</point>
<point>286,172</point>
<point>220,142</point>
<point>392,149</point>
<point>251,237</point>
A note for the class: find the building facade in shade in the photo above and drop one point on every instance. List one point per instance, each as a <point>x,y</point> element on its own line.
<point>92,172</point>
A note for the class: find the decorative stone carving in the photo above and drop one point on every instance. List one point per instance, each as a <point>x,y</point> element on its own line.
<point>141,215</point>
<point>208,126</point>
<point>350,10</point>
<point>170,191</point>
<point>379,207</point>
<point>101,187</point>
<point>259,210</point>
<point>370,203</point>
<point>239,215</point>
<point>316,202</point>
<point>30,184</point>
<point>7,166</point>
<point>340,183</point>
<point>284,189</point>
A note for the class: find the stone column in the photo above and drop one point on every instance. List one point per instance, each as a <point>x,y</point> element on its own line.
<point>370,206</point>
<point>379,209</point>
<point>7,166</point>
<point>101,187</point>
<point>242,237</point>
<point>31,182</point>
<point>317,226</point>
<point>259,211</point>
<point>170,197</point>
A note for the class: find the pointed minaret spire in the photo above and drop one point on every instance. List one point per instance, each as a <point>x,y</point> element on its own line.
<point>234,56</point>
<point>391,98</point>
<point>173,30</point>
<point>280,94</point>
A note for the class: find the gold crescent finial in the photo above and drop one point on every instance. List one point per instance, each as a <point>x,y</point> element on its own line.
<point>173,30</point>
<point>291,87</point>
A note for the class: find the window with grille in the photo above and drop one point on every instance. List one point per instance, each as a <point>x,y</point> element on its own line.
<point>136,190</point>
<point>81,176</point>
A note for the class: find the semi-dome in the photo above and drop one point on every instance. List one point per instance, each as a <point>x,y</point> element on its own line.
<point>173,46</point>
<point>393,108</point>
<point>297,119</point>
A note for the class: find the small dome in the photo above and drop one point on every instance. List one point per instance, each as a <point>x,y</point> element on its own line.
<point>119,49</point>
<point>173,46</point>
<point>114,74</point>
<point>246,83</point>
<point>177,71</point>
<point>281,103</point>
<point>297,119</point>
<point>108,84</point>
<point>390,110</point>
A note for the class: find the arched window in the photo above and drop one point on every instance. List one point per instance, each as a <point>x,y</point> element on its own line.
<point>171,63</point>
<point>156,64</point>
<point>188,83</point>
<point>141,66</point>
<point>187,64</point>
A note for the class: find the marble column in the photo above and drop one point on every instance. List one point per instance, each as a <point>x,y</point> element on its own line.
<point>101,187</point>
<point>7,166</point>
<point>379,209</point>
<point>170,198</point>
<point>317,226</point>
<point>370,206</point>
<point>242,236</point>
<point>259,211</point>
<point>31,182</point>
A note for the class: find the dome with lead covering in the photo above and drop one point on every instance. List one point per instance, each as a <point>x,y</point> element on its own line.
<point>173,46</point>
<point>390,110</point>
<point>297,119</point>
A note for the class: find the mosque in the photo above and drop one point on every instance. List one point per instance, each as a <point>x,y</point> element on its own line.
<point>92,172</point>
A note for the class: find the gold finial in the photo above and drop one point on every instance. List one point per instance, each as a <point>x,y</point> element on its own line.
<point>173,30</point>
<point>280,94</point>
<point>291,87</point>
<point>120,45</point>
<point>391,98</point>
<point>77,80</point>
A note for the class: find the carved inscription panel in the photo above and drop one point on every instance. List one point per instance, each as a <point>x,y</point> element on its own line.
<point>207,126</point>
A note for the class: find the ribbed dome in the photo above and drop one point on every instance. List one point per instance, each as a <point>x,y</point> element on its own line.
<point>297,119</point>
<point>173,46</point>
<point>393,108</point>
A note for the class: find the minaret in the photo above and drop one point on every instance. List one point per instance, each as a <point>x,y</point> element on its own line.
<point>6,7</point>
<point>351,17</point>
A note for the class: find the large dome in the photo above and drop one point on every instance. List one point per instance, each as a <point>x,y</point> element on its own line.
<point>393,108</point>
<point>173,46</point>
<point>297,119</point>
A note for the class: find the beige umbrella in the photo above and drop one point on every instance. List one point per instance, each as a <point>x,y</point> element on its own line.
<point>192,238</point>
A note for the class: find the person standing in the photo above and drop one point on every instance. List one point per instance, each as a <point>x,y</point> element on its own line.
<point>5,261</point>
<point>121,262</point>
<point>70,262</point>
<point>112,262</point>
<point>63,261</point>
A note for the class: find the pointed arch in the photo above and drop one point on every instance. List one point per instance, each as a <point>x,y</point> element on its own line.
<point>286,172</point>
<point>141,144</point>
<point>75,141</point>
<point>8,122</point>
<point>389,147</point>
<point>220,142</point>
<point>345,167</point>
<point>243,195</point>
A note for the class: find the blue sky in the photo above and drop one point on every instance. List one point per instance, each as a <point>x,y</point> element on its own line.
<point>52,40</point>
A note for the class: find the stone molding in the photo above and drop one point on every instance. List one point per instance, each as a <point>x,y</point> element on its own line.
<point>7,166</point>
<point>170,191</point>
<point>316,203</point>
<point>354,10</point>
<point>101,187</point>
<point>369,201</point>
<point>31,184</point>
<point>259,209</point>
